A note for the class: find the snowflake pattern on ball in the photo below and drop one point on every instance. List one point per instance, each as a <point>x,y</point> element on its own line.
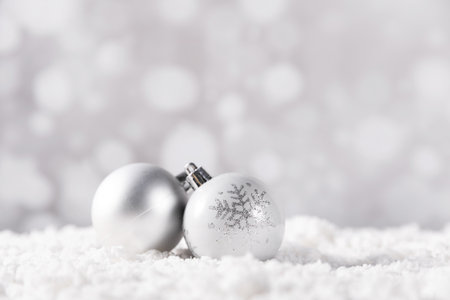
<point>242,210</point>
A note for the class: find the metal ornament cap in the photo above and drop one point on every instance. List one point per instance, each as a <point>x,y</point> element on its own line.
<point>233,214</point>
<point>140,207</point>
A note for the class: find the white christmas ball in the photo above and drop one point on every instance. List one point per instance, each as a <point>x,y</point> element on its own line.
<point>232,214</point>
<point>140,207</point>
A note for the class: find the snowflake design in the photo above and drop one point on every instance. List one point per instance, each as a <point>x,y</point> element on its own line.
<point>241,210</point>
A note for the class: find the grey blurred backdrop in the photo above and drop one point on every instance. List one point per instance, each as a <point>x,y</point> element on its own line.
<point>342,107</point>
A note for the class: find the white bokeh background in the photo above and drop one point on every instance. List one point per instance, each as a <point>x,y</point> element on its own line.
<point>343,108</point>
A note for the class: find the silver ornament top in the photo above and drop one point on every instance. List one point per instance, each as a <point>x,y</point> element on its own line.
<point>195,176</point>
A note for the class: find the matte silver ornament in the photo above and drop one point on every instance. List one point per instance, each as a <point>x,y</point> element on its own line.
<point>231,214</point>
<point>140,207</point>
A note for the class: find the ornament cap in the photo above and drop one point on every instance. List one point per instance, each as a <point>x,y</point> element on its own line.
<point>195,176</point>
<point>182,180</point>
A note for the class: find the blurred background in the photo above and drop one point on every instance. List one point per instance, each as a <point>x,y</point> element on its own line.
<point>341,107</point>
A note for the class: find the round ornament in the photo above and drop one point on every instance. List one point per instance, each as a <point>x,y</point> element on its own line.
<point>231,214</point>
<point>140,207</point>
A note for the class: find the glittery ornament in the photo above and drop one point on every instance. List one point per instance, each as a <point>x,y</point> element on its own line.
<point>231,214</point>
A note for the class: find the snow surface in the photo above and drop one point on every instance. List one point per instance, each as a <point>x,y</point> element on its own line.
<point>316,261</point>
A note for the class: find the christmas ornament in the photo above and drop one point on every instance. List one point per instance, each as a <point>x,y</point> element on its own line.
<point>231,214</point>
<point>139,206</point>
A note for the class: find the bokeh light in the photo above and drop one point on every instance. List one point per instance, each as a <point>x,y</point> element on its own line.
<point>343,109</point>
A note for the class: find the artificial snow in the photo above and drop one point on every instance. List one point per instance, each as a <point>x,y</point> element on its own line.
<point>316,261</point>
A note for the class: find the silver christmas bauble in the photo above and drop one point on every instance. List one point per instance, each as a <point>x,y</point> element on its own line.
<point>232,214</point>
<point>140,207</point>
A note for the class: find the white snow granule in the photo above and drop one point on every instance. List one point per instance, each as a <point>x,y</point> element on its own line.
<point>316,261</point>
